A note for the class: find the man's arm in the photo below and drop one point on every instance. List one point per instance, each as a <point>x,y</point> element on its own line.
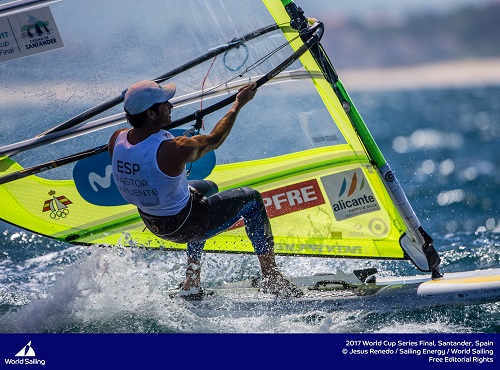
<point>173,155</point>
<point>112,140</point>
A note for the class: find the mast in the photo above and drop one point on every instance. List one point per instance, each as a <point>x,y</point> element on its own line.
<point>418,245</point>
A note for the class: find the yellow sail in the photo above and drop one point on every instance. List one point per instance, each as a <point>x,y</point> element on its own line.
<point>294,143</point>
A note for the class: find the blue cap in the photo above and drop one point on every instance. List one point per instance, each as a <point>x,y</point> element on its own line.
<point>144,94</point>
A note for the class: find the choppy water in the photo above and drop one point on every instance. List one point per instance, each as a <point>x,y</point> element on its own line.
<point>444,148</point>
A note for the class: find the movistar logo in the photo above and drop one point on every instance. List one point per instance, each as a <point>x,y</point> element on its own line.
<point>94,181</point>
<point>103,182</point>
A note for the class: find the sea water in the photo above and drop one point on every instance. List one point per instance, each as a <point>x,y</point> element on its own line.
<point>444,146</point>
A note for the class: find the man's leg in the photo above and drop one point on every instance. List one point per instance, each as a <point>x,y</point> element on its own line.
<point>273,280</point>
<point>193,268</point>
<point>228,207</point>
<point>204,187</point>
<point>194,249</point>
<point>268,265</point>
<point>193,271</point>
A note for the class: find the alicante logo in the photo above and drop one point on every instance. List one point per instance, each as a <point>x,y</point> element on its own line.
<point>58,206</point>
<point>352,187</point>
<point>26,356</point>
<point>350,194</point>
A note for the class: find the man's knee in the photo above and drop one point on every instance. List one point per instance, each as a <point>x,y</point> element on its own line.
<point>204,187</point>
<point>213,188</point>
<point>253,194</point>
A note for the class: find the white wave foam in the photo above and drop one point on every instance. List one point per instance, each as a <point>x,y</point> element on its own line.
<point>123,290</point>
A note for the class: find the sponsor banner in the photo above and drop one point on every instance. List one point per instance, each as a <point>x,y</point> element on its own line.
<point>349,194</point>
<point>291,198</point>
<point>28,33</point>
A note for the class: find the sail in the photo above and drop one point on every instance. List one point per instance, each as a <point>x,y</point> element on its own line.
<point>295,141</point>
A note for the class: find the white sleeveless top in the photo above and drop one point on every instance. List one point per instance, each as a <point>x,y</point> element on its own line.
<point>140,180</point>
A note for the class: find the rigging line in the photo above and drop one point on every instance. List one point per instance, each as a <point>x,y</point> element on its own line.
<point>51,164</point>
<point>15,148</point>
<point>199,122</point>
<point>316,31</point>
<point>119,118</point>
<point>248,69</point>
<point>266,57</point>
<point>314,39</point>
<point>108,104</point>
<point>203,88</point>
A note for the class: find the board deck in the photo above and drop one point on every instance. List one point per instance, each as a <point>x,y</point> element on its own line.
<point>358,290</point>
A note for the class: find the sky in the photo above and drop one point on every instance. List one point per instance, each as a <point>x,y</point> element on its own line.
<point>367,8</point>
<point>352,7</point>
<point>397,7</point>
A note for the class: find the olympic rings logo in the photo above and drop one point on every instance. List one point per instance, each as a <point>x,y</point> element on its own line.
<point>62,213</point>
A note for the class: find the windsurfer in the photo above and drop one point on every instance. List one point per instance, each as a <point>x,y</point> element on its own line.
<point>185,211</point>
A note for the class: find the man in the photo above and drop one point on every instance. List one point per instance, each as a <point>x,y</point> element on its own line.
<point>153,162</point>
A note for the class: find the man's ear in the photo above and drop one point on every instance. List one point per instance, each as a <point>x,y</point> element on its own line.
<point>151,113</point>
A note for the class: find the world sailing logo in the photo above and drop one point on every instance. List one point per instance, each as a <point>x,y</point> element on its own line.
<point>58,206</point>
<point>27,351</point>
<point>350,194</point>
<point>26,356</point>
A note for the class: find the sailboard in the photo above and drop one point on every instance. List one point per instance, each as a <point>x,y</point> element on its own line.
<point>301,142</point>
<point>360,289</point>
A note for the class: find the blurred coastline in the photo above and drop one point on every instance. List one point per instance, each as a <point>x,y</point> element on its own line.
<point>456,48</point>
<point>444,74</point>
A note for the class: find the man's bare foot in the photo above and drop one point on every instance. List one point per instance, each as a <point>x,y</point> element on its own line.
<point>281,287</point>
<point>193,294</point>
<point>273,281</point>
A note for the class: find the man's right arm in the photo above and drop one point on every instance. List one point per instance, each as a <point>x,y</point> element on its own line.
<point>186,150</point>
<point>222,129</point>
